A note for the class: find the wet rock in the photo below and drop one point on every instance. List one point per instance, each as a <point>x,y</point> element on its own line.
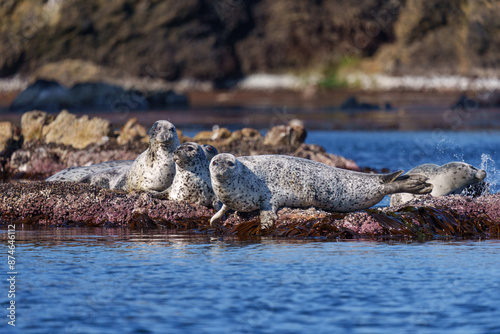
<point>66,203</point>
<point>132,131</point>
<point>244,134</point>
<point>352,104</point>
<point>285,135</point>
<point>42,95</point>
<point>67,129</point>
<point>32,124</point>
<point>105,97</point>
<point>166,99</point>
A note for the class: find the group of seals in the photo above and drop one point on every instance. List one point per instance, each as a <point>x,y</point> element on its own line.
<point>168,170</point>
<point>269,182</point>
<point>448,179</point>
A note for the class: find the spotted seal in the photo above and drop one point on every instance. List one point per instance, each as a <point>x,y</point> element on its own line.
<point>268,182</point>
<point>448,179</point>
<point>192,177</point>
<point>76,174</point>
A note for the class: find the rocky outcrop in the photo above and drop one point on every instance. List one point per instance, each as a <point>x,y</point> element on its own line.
<point>445,37</point>
<point>74,204</point>
<point>170,40</point>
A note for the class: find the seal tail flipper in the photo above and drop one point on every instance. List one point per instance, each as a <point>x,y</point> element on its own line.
<point>388,178</point>
<point>411,183</point>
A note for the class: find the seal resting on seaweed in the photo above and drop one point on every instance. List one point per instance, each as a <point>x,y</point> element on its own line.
<point>192,177</point>
<point>448,179</point>
<point>268,182</point>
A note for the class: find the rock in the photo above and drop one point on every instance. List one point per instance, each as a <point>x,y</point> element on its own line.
<point>245,134</point>
<point>10,138</point>
<point>71,203</point>
<point>67,129</point>
<point>284,135</point>
<point>132,131</point>
<point>43,95</point>
<point>106,97</point>
<point>32,124</point>
<point>352,104</point>
<point>166,99</point>
<point>318,153</point>
<point>217,134</point>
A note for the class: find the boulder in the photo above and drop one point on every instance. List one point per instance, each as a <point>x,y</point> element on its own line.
<point>166,99</point>
<point>32,123</point>
<point>106,97</point>
<point>67,129</point>
<point>42,95</point>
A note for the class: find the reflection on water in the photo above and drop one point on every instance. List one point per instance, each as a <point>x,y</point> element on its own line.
<point>121,281</point>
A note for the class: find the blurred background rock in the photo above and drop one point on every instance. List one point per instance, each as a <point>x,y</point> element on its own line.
<point>220,41</point>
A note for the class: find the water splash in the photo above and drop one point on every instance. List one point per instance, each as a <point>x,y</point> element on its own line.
<point>492,174</point>
<point>490,184</point>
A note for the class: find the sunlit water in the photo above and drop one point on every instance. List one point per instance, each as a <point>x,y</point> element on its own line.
<point>114,281</point>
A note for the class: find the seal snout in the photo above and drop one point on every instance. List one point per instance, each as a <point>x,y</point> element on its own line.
<point>480,175</point>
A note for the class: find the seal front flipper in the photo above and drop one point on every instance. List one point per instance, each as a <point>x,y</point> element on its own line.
<point>219,214</point>
<point>165,194</point>
<point>268,215</point>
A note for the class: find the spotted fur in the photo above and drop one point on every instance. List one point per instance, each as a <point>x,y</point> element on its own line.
<point>448,179</point>
<point>268,182</point>
<point>192,179</point>
<point>77,174</point>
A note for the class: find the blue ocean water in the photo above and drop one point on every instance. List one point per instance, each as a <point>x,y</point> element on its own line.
<point>120,281</point>
<point>114,281</point>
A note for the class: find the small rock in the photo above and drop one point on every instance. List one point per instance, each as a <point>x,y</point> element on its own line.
<point>67,129</point>
<point>218,134</point>
<point>284,135</point>
<point>32,123</point>
<point>132,131</point>
<point>318,153</point>
<point>10,138</point>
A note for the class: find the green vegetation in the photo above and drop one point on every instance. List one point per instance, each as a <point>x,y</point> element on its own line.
<point>333,76</point>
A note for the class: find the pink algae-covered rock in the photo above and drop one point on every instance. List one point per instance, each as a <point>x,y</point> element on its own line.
<point>66,203</point>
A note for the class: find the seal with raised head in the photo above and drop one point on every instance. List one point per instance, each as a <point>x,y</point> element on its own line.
<point>269,182</point>
<point>192,182</point>
<point>153,169</point>
<point>448,179</point>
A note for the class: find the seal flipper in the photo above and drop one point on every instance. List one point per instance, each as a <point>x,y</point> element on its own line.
<point>165,194</point>
<point>219,214</point>
<point>388,178</point>
<point>410,183</point>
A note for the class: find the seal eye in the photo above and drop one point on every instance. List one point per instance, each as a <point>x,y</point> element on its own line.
<point>190,148</point>
<point>230,163</point>
<point>172,129</point>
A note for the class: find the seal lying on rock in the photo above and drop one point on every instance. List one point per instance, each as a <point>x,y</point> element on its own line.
<point>192,177</point>
<point>448,179</point>
<point>268,182</point>
<point>153,169</point>
<point>75,174</point>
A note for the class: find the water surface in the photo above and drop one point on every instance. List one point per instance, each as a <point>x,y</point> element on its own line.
<point>120,281</point>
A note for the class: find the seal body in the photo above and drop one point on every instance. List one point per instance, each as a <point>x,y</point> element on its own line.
<point>153,169</point>
<point>192,182</point>
<point>76,174</point>
<point>268,182</point>
<point>448,179</point>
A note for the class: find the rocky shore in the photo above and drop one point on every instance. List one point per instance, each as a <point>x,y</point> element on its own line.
<point>41,203</point>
